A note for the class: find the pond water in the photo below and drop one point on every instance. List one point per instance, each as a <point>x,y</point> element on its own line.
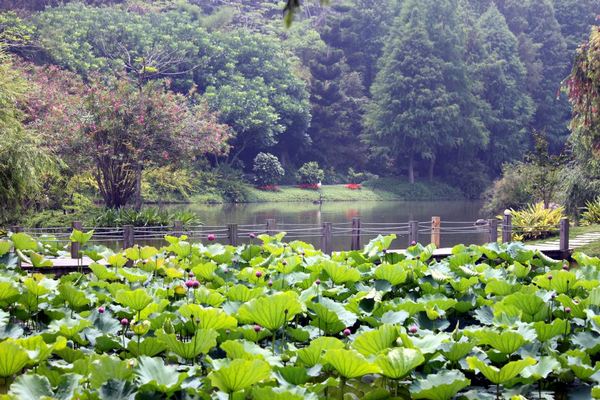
<point>340,212</point>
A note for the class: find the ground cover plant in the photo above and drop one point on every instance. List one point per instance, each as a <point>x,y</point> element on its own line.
<point>275,320</point>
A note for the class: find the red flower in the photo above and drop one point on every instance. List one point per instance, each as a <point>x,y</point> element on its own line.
<point>354,186</point>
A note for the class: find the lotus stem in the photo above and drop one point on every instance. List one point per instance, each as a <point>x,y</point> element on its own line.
<point>342,385</point>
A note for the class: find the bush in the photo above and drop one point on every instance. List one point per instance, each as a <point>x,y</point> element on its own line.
<point>168,184</point>
<point>591,215</point>
<point>310,174</point>
<point>267,169</point>
<point>536,222</point>
<point>360,177</point>
<point>150,216</point>
<point>513,190</point>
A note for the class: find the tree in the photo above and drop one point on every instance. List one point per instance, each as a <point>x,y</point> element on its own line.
<point>121,129</point>
<point>22,158</point>
<point>501,77</point>
<point>422,103</point>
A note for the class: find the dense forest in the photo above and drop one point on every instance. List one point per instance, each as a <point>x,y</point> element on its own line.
<point>115,100</point>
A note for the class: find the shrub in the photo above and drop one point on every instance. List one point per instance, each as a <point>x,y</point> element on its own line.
<point>168,184</point>
<point>267,169</point>
<point>536,222</point>
<point>513,190</point>
<point>310,174</point>
<point>591,215</point>
<point>360,177</point>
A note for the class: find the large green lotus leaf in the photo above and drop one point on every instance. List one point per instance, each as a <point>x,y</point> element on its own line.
<point>69,327</point>
<point>462,285</point>
<point>329,312</point>
<point>340,273</point>
<point>205,271</point>
<point>76,298</point>
<point>291,393</point>
<point>40,287</point>
<point>150,347</point>
<point>201,342</point>
<point>5,246</point>
<point>106,368</point>
<point>294,375</point>
<point>117,390</point>
<point>31,387</point>
<point>208,297</point>
<point>561,281</point>
<point>312,354</point>
<point>379,244</point>
<point>133,275</point>
<point>500,287</point>
<point>442,386</point>
<point>35,387</point>
<point>578,308</point>
<point>455,351</point>
<point>38,349</point>
<point>545,366</point>
<point>12,358</point>
<point>533,308</point>
<point>410,307</point>
<point>596,392</point>
<point>81,237</point>
<point>506,342</point>
<point>23,241</point>
<point>103,273</point>
<point>117,260</point>
<point>350,363</point>
<point>243,294</point>
<point>152,308</point>
<point>547,331</point>
<point>502,375</point>
<point>581,366</point>
<point>375,341</point>
<point>428,344</point>
<point>136,300</point>
<point>248,351</point>
<point>240,374</point>
<point>394,274</point>
<point>210,318</point>
<point>154,373</point>
<point>39,261</point>
<point>272,311</point>
<point>8,293</point>
<point>399,361</point>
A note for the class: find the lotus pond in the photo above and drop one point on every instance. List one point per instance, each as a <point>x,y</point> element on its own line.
<point>275,320</point>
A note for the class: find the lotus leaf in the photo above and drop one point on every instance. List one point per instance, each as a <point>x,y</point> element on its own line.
<point>349,363</point>
<point>375,341</point>
<point>136,300</point>
<point>442,386</point>
<point>398,362</point>
<point>502,375</point>
<point>240,374</point>
<point>272,311</point>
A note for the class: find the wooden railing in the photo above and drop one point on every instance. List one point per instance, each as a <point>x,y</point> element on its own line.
<point>354,231</point>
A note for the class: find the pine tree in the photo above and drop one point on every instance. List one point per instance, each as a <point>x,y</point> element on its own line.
<point>502,76</point>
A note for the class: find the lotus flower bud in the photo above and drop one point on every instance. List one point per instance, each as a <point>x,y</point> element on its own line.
<point>413,243</point>
<point>565,266</point>
<point>258,274</point>
<point>257,328</point>
<point>124,322</point>
<point>189,283</point>
<point>346,332</point>
<point>413,329</point>
<point>211,237</point>
<point>168,326</point>
<point>252,235</point>
<point>568,310</point>
<point>549,277</point>
<point>270,283</point>
<point>196,284</point>
<point>318,282</point>
<point>101,310</point>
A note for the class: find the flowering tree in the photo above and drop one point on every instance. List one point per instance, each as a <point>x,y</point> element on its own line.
<point>121,129</point>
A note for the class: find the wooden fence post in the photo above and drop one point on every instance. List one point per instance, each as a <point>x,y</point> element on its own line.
<point>507,228</point>
<point>16,229</point>
<point>128,236</point>
<point>413,232</point>
<point>564,234</point>
<point>492,230</point>
<point>327,238</point>
<point>271,227</point>
<point>355,243</point>
<point>75,248</point>
<point>177,228</point>
<point>436,223</point>
<point>232,234</point>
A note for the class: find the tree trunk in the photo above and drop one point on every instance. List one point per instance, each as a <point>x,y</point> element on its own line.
<point>431,167</point>
<point>411,169</point>
<point>138,189</point>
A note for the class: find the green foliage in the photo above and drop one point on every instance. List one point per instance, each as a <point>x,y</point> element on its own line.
<point>536,222</point>
<point>591,215</point>
<point>310,173</point>
<point>242,336</point>
<point>267,169</point>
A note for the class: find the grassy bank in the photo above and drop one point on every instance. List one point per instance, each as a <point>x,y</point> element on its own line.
<point>377,190</point>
